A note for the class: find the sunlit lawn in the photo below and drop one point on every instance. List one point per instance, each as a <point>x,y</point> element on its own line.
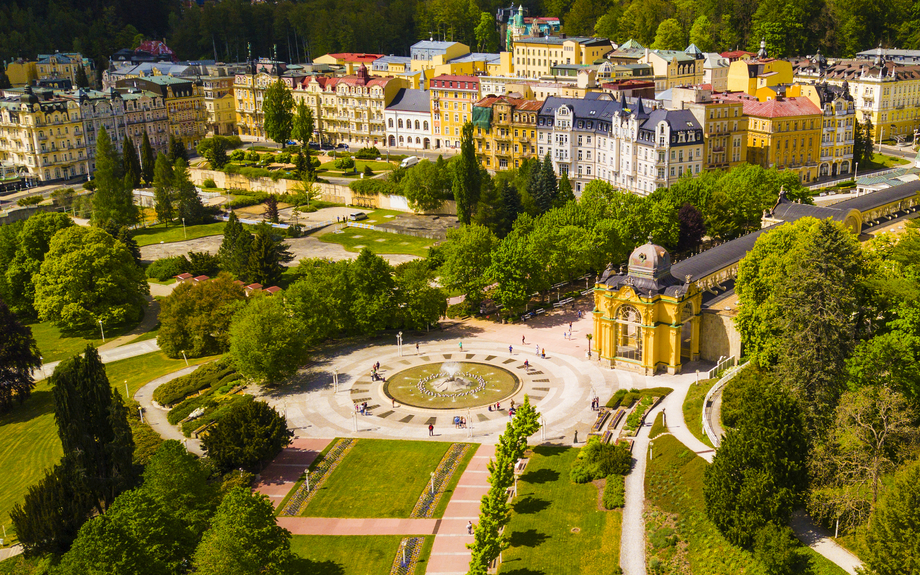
<point>175,232</point>
<point>693,408</point>
<point>348,555</point>
<point>54,347</point>
<point>355,239</point>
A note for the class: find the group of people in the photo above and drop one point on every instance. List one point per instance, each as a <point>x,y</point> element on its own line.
<point>375,373</point>
<point>459,422</point>
<point>595,403</point>
<point>361,408</point>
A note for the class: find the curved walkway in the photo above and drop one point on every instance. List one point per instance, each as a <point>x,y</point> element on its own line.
<point>156,416</point>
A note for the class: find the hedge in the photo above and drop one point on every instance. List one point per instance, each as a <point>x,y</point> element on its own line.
<point>614,492</point>
<point>166,268</point>
<point>373,187</point>
<point>214,374</point>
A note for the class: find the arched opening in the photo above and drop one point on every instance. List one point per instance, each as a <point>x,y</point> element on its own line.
<point>629,333</point>
<point>427,143</point>
<point>823,170</point>
<point>416,125</point>
<point>400,140</point>
<point>844,167</point>
<point>400,123</point>
<point>686,331</point>
<point>392,141</point>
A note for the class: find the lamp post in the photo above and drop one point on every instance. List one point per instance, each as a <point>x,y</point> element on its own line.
<point>127,395</point>
<point>335,380</point>
<point>184,233</point>
<point>102,330</point>
<point>306,479</point>
<point>42,359</point>
<point>432,482</point>
<point>185,358</point>
<point>399,344</point>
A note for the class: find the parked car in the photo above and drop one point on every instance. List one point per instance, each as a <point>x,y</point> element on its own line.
<point>409,162</point>
<point>342,146</point>
<point>313,145</point>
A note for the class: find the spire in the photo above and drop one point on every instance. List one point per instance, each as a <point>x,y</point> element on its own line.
<point>879,56</point>
<point>762,53</point>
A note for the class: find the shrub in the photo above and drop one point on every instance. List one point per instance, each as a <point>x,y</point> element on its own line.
<point>238,155</point>
<point>249,435</point>
<point>243,202</point>
<point>90,185</point>
<point>580,473</point>
<point>345,163</point>
<point>616,399</point>
<point>614,492</point>
<point>663,537</point>
<point>166,268</point>
<point>29,201</point>
<point>368,171</point>
<point>203,264</point>
<point>597,460</point>
<point>252,156</point>
<point>284,158</point>
<point>221,406</point>
<point>373,187</point>
<point>215,374</point>
<point>371,153</point>
<point>209,183</point>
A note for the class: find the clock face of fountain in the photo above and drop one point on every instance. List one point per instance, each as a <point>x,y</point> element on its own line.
<point>451,385</point>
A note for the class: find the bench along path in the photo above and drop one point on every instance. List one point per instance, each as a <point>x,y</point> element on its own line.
<point>449,555</point>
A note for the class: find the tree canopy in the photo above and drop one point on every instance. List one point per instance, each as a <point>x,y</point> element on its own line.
<point>266,341</point>
<point>195,318</point>
<point>278,114</point>
<point>19,357</point>
<point>248,436</point>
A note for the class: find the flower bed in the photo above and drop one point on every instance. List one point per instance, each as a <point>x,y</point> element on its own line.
<point>601,417</point>
<point>323,468</point>
<point>616,418</point>
<point>413,547</point>
<point>428,501</point>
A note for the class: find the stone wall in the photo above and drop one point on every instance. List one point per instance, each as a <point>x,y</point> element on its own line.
<point>19,213</point>
<point>718,336</point>
<point>334,193</point>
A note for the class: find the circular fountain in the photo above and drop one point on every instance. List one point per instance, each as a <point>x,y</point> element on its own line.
<point>451,385</point>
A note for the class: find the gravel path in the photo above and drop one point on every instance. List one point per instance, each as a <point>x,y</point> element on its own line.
<point>156,417</point>
<point>632,539</point>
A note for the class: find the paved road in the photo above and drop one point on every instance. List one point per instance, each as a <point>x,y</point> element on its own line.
<point>107,356</point>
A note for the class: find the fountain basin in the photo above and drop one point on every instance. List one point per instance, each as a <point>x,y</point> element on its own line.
<point>451,385</point>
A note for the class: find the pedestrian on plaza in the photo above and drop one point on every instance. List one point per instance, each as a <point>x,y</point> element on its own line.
<point>543,353</point>
<point>469,527</point>
<point>378,366</point>
<point>526,365</point>
<point>394,403</point>
<point>537,349</point>
<point>512,404</point>
<point>461,345</point>
<point>498,405</point>
<point>510,350</point>
<point>522,341</point>
<point>570,328</point>
<point>416,348</point>
<point>430,429</point>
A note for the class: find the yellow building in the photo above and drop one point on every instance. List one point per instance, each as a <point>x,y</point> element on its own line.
<point>348,61</point>
<point>57,65</point>
<point>839,110</point>
<point>783,133</point>
<point>185,107</point>
<point>675,67</point>
<point>146,112</point>
<point>505,131</point>
<point>249,91</point>
<point>885,93</point>
<point>724,126</point>
<point>452,99</point>
<point>646,320</point>
<point>220,105</point>
<point>429,54</point>
<point>750,75</point>
<point>535,57</point>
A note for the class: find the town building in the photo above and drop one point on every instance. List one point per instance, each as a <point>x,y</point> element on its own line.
<point>348,62</point>
<point>522,26</point>
<point>505,131</point>
<point>752,74</point>
<point>185,105</point>
<point>535,57</point>
<point>408,120</point>
<point>50,66</point>
<point>428,54</point>
<point>715,71</point>
<point>783,133</point>
<point>145,112</point>
<point>249,92</point>
<point>452,99</point>
<point>886,94</point>
<point>219,101</point>
<point>619,141</point>
<point>675,67</point>
<point>724,126</point>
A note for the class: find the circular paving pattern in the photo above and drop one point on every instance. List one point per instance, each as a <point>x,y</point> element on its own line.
<point>451,385</point>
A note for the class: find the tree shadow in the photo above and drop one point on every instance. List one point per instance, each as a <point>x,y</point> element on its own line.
<point>303,566</point>
<point>550,450</point>
<point>523,571</point>
<point>39,402</point>
<point>540,476</point>
<point>530,504</point>
<point>529,538</point>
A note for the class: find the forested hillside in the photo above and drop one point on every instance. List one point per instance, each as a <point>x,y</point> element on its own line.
<point>309,28</point>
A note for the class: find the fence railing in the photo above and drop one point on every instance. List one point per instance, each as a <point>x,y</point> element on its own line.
<point>707,402</point>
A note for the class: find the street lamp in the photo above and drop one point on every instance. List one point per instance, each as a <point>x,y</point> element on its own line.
<point>102,330</point>
<point>432,482</point>
<point>184,233</point>
<point>399,344</point>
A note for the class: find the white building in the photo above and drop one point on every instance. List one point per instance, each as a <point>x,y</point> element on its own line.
<point>715,71</point>
<point>408,120</point>
<point>619,142</point>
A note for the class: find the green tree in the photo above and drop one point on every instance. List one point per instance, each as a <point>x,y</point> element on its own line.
<point>188,204</point>
<point>670,36</point>
<point>196,318</point>
<point>759,472</point>
<point>516,266</point>
<point>373,305</point>
<point>164,190</point>
<point>266,257</point>
<point>302,124</point>
<point>112,200</point>
<point>486,34</point>
<point>321,298</point>
<point>177,150</point>
<point>894,529</point>
<point>30,247</point>
<point>131,165</point>
<point>546,193</point>
<point>148,160</point>
<point>426,185</point>
<point>467,180</point>
<point>702,34</point>
<point>214,149</point>
<point>178,482</point>
<point>244,539</point>
<point>565,194</point>
<point>692,228</point>
<point>80,78</point>
<point>467,258</point>
<point>509,208</point>
<point>582,18</point>
<point>776,548</point>
<point>608,25</point>
<point>419,303</point>
<point>266,341</point>
<point>250,435</point>
<point>235,247</point>
<point>87,277</point>
<point>19,357</point>
<point>277,109</point>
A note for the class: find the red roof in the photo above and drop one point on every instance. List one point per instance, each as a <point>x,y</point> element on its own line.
<point>735,54</point>
<point>518,103</point>
<point>254,287</point>
<point>455,82</point>
<point>272,290</point>
<point>780,107</point>
<point>201,278</point>
<point>183,277</point>
<point>356,57</point>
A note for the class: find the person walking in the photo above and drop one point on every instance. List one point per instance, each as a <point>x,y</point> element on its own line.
<point>430,429</point>
<point>510,350</point>
<point>536,349</point>
<point>469,527</point>
<point>543,353</point>
<point>416,348</point>
<point>461,345</point>
<point>522,341</point>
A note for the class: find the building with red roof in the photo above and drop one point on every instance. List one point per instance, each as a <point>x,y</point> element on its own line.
<point>350,61</point>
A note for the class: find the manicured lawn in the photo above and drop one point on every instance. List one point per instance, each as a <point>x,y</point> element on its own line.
<point>174,233</point>
<point>382,216</point>
<point>880,161</point>
<point>674,496</point>
<point>693,408</point>
<point>545,513</point>
<point>54,346</point>
<point>344,555</point>
<point>329,169</point>
<point>355,239</point>
<point>30,445</point>
<point>30,442</point>
<point>378,478</point>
